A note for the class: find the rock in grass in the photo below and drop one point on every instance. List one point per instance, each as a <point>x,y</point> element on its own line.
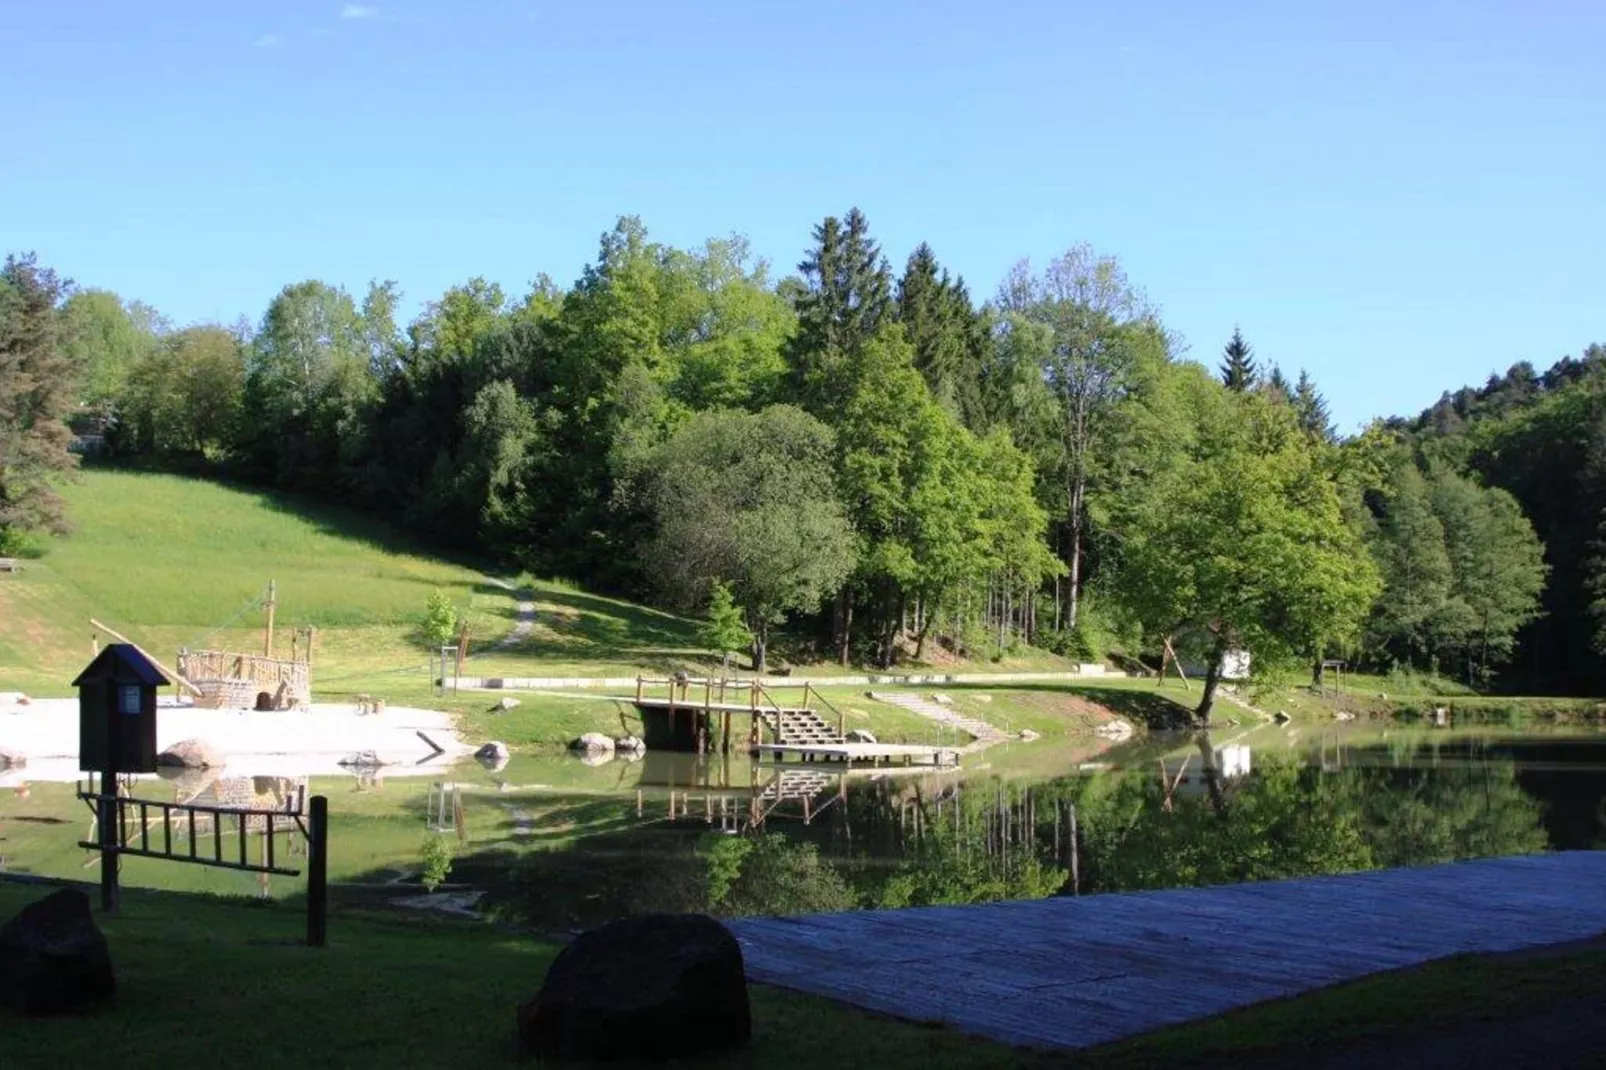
<point>363,759</point>
<point>1281,717</point>
<point>630,745</point>
<point>860,735</point>
<point>506,704</point>
<point>191,754</point>
<point>659,986</point>
<point>494,751</point>
<point>52,957</point>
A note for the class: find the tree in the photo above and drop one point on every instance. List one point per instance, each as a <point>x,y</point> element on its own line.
<point>1410,551</point>
<point>1238,372</point>
<point>104,340</point>
<point>1241,534</point>
<point>945,332</point>
<point>37,381</point>
<point>724,630</point>
<point>184,397</point>
<point>748,499</point>
<point>1312,408</point>
<point>440,619</point>
<point>1498,567</point>
<point>848,292</point>
<point>307,389</point>
<point>1278,384</point>
<point>1090,322</point>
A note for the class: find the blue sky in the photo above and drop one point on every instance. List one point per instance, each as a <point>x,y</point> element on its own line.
<point>1401,197</point>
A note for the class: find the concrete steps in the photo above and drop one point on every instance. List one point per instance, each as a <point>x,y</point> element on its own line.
<point>944,715</point>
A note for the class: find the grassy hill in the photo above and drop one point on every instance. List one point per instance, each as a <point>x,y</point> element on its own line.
<point>172,561</point>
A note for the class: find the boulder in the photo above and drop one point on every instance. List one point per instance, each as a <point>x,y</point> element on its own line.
<point>593,743</point>
<point>630,745</point>
<point>362,759</point>
<point>53,958</point>
<point>860,735</point>
<point>11,759</point>
<point>1118,730</point>
<point>1343,715</point>
<point>1280,717</point>
<point>654,987</point>
<point>505,704</point>
<point>1028,735</point>
<point>942,700</point>
<point>191,754</point>
<point>493,751</point>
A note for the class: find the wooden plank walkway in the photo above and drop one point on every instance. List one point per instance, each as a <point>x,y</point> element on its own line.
<point>1071,973</point>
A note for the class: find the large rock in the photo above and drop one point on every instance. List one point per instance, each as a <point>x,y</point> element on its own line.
<point>506,703</point>
<point>53,958</point>
<point>593,743</point>
<point>859,735</point>
<point>660,986</point>
<point>494,751</point>
<point>191,754</point>
<point>363,759</point>
<point>630,745</point>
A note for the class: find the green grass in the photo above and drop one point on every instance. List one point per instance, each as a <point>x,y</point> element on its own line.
<point>198,977</point>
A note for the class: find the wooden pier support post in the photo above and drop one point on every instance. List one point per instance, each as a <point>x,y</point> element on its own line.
<point>725,736</point>
<point>638,687</point>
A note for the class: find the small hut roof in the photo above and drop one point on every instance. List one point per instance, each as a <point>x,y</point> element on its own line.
<point>122,663</point>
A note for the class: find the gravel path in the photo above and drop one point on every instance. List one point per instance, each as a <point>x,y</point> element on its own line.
<point>523,624</point>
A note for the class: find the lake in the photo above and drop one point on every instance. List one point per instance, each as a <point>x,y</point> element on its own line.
<point>556,843</point>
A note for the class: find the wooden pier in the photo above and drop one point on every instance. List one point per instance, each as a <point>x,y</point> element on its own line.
<point>696,716</point>
<point>873,753</point>
<point>1075,972</point>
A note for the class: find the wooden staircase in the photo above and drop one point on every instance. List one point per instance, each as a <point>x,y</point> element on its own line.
<point>800,726</point>
<point>798,784</point>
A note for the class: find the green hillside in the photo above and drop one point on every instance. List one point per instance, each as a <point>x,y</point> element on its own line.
<point>171,562</point>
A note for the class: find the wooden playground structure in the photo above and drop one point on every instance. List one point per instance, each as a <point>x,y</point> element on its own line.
<point>228,679</point>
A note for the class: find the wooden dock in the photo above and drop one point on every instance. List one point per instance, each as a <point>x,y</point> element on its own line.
<point>1075,972</point>
<point>871,753</point>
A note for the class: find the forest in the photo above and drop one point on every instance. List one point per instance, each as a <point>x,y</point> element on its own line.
<point>867,464</point>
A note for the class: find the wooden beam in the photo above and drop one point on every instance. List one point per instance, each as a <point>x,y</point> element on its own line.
<point>178,677</point>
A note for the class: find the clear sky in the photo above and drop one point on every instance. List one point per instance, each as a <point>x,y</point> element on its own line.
<point>1402,197</point>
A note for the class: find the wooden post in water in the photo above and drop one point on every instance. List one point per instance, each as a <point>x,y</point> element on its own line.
<point>318,872</point>
<point>638,687</point>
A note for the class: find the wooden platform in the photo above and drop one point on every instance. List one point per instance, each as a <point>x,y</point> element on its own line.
<point>876,753</point>
<point>1071,973</point>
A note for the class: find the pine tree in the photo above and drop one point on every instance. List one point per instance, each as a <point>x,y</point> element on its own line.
<point>1238,364</point>
<point>725,630</point>
<point>848,295</point>
<point>36,395</point>
<point>1311,407</point>
<point>1279,385</point>
<point>945,331</point>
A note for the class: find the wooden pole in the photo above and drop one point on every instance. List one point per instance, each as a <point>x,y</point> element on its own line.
<point>109,892</point>
<point>318,873</point>
<point>177,677</point>
<point>267,637</point>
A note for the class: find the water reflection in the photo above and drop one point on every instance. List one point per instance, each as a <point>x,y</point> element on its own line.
<point>559,843</point>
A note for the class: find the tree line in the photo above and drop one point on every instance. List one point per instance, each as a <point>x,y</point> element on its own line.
<point>870,457</point>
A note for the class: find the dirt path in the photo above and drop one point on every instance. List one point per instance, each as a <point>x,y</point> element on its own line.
<point>523,623</point>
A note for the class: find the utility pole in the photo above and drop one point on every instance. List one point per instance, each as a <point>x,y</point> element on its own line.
<point>267,639</point>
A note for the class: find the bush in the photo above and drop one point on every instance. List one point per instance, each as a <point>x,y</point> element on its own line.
<point>440,619</point>
<point>436,857</point>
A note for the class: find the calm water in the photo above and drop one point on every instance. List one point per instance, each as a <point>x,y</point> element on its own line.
<point>557,843</point>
